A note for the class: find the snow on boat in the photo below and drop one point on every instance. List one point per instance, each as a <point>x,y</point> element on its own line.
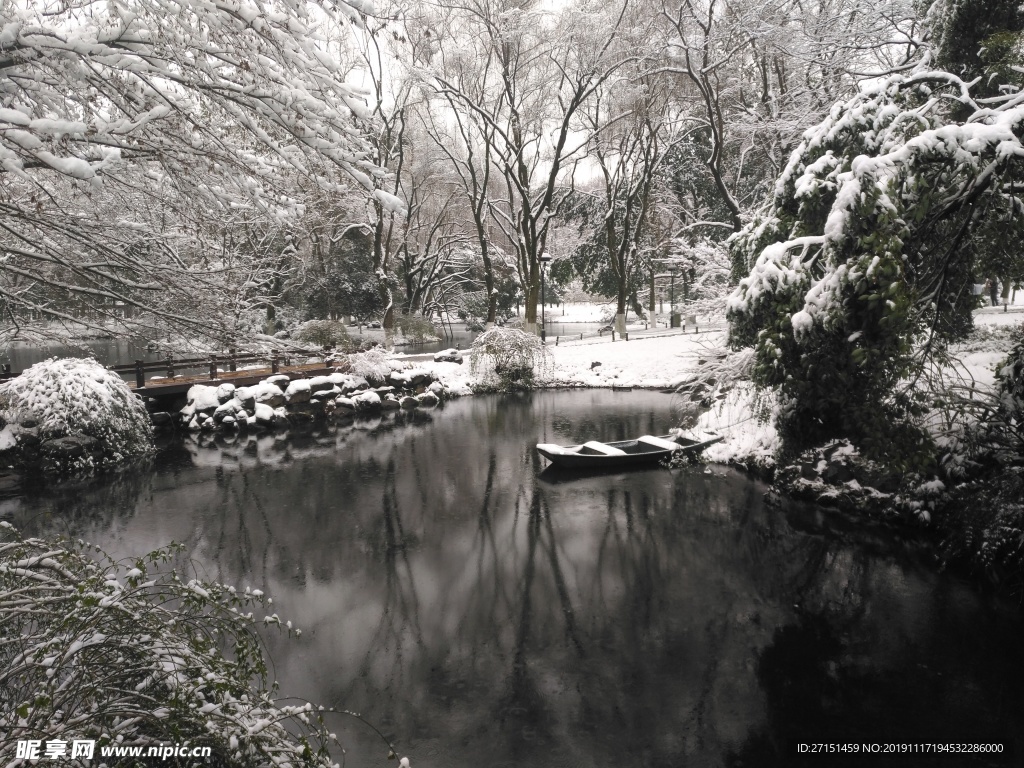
<point>645,449</point>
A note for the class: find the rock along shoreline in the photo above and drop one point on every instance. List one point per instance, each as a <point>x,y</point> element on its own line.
<point>284,400</point>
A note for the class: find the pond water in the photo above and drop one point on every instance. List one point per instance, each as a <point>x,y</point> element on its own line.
<point>106,352</point>
<point>483,613</point>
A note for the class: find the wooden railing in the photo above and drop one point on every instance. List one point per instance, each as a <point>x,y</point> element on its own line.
<point>170,366</point>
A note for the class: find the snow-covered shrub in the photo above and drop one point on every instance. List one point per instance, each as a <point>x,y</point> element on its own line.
<point>325,333</point>
<point>137,654</point>
<point>507,358</point>
<point>75,397</point>
<point>373,365</point>
<point>416,328</point>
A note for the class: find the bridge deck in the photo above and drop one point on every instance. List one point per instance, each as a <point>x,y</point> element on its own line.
<point>162,387</point>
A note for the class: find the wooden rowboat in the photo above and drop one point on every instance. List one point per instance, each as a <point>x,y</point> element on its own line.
<point>643,450</point>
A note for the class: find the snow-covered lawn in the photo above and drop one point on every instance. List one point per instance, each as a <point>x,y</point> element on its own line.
<point>644,361</point>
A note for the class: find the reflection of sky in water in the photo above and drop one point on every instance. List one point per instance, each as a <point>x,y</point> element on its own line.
<point>481,616</point>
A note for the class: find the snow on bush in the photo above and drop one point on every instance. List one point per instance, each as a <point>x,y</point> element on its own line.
<point>374,365</point>
<point>325,333</point>
<point>507,358</point>
<point>72,396</point>
<point>417,329</point>
<point>741,418</point>
<point>137,654</point>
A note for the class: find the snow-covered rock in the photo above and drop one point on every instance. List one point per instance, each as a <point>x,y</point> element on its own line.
<point>264,415</point>
<point>202,398</point>
<point>448,356</point>
<point>298,391</point>
<point>350,384</point>
<point>366,401</point>
<point>427,399</point>
<point>268,394</point>
<point>230,409</point>
<point>280,380</point>
<point>320,383</point>
<point>225,392</point>
<point>247,397</point>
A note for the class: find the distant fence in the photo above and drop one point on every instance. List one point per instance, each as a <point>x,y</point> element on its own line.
<point>690,324</point>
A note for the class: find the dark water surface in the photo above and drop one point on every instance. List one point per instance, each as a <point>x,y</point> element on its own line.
<point>106,351</point>
<point>484,616</point>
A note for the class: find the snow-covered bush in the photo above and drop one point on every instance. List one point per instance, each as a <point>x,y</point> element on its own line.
<point>417,328</point>
<point>135,653</point>
<point>72,397</point>
<point>507,359</point>
<point>373,365</point>
<point>325,333</point>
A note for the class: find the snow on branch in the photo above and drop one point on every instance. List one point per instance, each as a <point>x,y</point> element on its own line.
<point>137,139</point>
<point>864,183</point>
<point>860,272</point>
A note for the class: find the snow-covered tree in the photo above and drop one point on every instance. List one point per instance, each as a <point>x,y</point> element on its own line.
<point>519,75</point>
<point>630,130</point>
<point>134,133</point>
<point>862,267</point>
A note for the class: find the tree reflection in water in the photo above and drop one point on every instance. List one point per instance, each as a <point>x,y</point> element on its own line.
<point>483,616</point>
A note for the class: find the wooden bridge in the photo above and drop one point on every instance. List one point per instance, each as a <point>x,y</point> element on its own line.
<point>176,375</point>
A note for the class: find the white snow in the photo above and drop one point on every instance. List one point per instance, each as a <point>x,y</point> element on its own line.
<point>7,438</point>
<point>296,387</point>
<point>201,397</point>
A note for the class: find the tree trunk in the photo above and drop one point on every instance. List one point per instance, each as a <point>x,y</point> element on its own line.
<point>651,305</point>
<point>530,313</point>
<point>620,311</point>
<point>532,298</point>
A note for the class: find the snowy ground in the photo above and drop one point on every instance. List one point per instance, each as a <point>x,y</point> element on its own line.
<point>646,360</point>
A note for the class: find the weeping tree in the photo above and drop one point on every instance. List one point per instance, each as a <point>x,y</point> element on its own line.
<point>861,270</point>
